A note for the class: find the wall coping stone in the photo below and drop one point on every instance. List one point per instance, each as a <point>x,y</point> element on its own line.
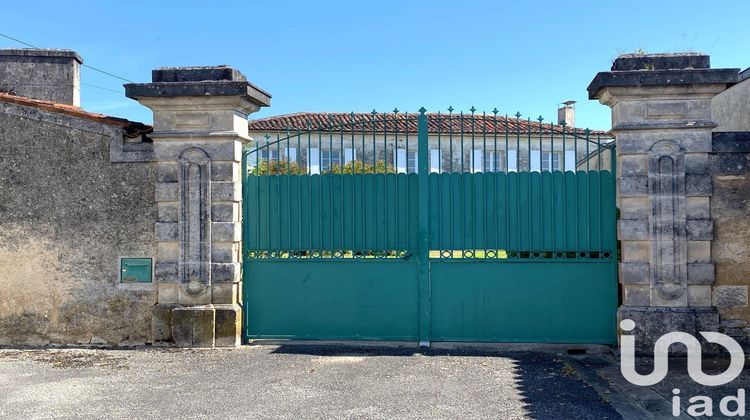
<point>200,82</point>
<point>660,78</point>
<point>41,52</point>
<point>662,61</point>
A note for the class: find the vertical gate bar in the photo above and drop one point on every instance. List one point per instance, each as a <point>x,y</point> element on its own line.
<point>541,185</point>
<point>364,200</point>
<point>463,193</point>
<point>245,242</point>
<point>342,163</point>
<point>529,189</point>
<point>354,188</point>
<point>588,194</point>
<point>552,186</point>
<point>484,199</point>
<point>297,158</point>
<point>395,200</point>
<point>496,163</point>
<point>575,194</point>
<point>374,185</point>
<point>423,254</point>
<point>599,187</point>
<point>439,177</point>
<point>385,184</point>
<point>309,188</point>
<point>320,188</point>
<point>450,182</point>
<point>331,245</point>
<point>408,183</point>
<point>277,181</point>
<point>473,164</point>
<point>506,196</point>
<point>288,177</point>
<point>268,193</point>
<point>564,190</point>
<point>518,181</point>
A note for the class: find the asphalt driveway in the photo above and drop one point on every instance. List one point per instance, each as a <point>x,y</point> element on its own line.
<point>293,382</point>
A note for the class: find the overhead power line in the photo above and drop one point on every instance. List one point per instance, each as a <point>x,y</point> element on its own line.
<point>102,88</point>
<point>84,65</point>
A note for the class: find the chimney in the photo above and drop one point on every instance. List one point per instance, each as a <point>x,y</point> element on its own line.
<point>46,74</point>
<point>566,113</point>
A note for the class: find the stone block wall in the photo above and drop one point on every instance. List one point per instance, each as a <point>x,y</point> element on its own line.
<point>66,214</point>
<point>730,211</point>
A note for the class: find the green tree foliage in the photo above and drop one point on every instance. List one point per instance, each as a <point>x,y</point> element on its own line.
<point>284,167</point>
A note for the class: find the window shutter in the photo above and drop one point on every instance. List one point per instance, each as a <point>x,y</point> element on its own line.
<point>536,161</point>
<point>435,161</point>
<point>313,161</point>
<point>570,160</point>
<point>349,155</point>
<point>512,162</point>
<point>477,161</point>
<point>399,161</point>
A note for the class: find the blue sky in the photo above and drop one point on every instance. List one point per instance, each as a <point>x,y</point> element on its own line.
<point>357,56</point>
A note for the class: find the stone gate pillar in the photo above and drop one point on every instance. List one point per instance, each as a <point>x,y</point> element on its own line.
<point>661,120</point>
<point>200,122</point>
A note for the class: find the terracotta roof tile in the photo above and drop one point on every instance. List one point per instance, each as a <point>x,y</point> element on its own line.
<point>127,125</point>
<point>378,123</point>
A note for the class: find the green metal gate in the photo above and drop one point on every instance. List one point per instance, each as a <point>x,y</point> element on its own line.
<point>430,227</point>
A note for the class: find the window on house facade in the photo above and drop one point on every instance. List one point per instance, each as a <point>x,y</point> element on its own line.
<point>329,158</point>
<point>544,161</point>
<point>486,161</point>
<point>269,154</point>
<point>492,162</point>
<point>405,162</point>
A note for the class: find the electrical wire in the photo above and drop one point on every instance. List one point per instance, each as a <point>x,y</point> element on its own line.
<point>84,65</point>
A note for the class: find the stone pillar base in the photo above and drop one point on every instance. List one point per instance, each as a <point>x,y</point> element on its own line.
<point>653,322</point>
<point>197,326</point>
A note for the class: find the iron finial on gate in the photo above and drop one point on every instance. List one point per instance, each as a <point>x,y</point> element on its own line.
<point>472,109</point>
<point>422,110</point>
<point>518,114</point>
<point>495,111</point>
<point>395,110</point>
<point>450,109</point>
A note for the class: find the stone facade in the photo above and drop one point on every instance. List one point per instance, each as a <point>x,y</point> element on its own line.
<point>67,212</point>
<point>662,122</point>
<point>200,124</point>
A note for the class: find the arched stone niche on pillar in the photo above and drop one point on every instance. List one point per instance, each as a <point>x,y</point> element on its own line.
<point>194,226</point>
<point>667,221</point>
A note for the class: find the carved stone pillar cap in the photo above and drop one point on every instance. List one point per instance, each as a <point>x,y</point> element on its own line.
<point>198,81</point>
<point>661,70</point>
